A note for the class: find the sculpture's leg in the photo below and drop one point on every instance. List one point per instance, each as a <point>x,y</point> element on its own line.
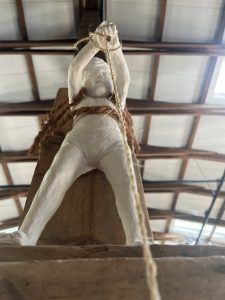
<point>68,164</point>
<point>115,168</point>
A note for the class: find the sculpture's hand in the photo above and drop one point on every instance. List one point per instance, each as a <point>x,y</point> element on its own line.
<point>107,33</point>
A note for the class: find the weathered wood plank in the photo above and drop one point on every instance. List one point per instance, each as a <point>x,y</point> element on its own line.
<point>116,278</point>
<point>18,253</point>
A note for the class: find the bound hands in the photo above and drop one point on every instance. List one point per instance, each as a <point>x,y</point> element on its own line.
<point>106,33</point>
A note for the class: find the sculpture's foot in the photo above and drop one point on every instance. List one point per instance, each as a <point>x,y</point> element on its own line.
<point>15,238</point>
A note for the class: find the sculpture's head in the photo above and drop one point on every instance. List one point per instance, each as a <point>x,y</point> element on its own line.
<point>97,78</point>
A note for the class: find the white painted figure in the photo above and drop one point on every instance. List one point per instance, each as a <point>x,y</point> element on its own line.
<point>95,141</point>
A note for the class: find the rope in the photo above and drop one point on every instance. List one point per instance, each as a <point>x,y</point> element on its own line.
<point>150,266</point>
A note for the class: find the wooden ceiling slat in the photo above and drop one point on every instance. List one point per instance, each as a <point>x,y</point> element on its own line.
<point>148,188</point>
<point>135,106</point>
<point>28,57</point>
<point>212,48</point>
<point>152,87</point>
<point>147,152</point>
<point>9,223</point>
<point>158,214</point>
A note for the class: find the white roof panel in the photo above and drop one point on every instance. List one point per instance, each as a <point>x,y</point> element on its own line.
<point>203,170</point>
<point>197,204</point>
<point>216,92</point>
<point>135,20</point>
<point>15,83</point>
<point>23,201</point>
<point>22,173</point>
<point>190,230</point>
<point>17,133</point>
<point>159,200</point>
<point>179,78</point>
<point>219,236</point>
<point>162,169</point>
<point>140,75</point>
<point>51,19</point>
<point>158,225</point>
<point>170,131</point>
<point>8,21</point>
<point>139,123</point>
<point>51,73</point>
<point>210,134</point>
<point>191,20</point>
<point>3,179</point>
<point>8,209</point>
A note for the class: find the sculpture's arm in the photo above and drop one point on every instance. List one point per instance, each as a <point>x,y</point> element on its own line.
<point>76,68</point>
<point>119,64</point>
<point>121,73</point>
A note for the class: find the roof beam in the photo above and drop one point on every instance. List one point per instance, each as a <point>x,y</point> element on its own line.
<point>158,214</point>
<point>152,86</point>
<point>179,188</point>
<point>149,187</point>
<point>155,152</point>
<point>9,223</point>
<point>12,192</point>
<point>147,152</point>
<point>129,47</point>
<point>135,106</point>
<point>28,57</point>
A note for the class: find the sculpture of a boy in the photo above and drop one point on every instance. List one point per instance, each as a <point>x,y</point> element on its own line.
<point>95,141</point>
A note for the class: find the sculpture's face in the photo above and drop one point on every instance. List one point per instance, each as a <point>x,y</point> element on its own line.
<point>97,79</point>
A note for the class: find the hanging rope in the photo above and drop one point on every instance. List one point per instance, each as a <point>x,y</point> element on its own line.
<point>150,266</point>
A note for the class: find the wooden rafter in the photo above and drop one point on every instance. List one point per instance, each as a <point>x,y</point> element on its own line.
<point>155,67</point>
<point>147,152</point>
<point>9,223</point>
<point>156,48</point>
<point>156,214</point>
<point>135,106</point>
<point>149,187</point>
<point>29,60</point>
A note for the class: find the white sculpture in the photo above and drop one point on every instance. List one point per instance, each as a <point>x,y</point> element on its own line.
<point>95,141</point>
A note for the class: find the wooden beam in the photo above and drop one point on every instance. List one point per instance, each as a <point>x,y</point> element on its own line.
<point>158,214</point>
<point>178,188</point>
<point>154,73</point>
<point>28,58</point>
<point>135,106</point>
<point>13,192</point>
<point>160,48</point>
<point>17,156</point>
<point>147,152</point>
<point>155,152</point>
<point>148,188</point>
<point>9,223</point>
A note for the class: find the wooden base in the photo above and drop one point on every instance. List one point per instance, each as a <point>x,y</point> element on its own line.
<point>113,278</point>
